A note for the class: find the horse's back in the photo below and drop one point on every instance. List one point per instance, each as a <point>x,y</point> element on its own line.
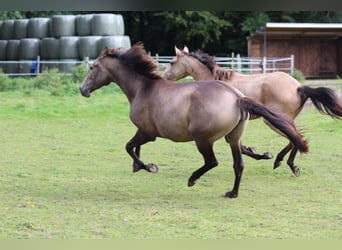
<point>277,90</point>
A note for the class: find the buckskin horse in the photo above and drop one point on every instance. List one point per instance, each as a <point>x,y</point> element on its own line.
<point>202,111</point>
<point>277,91</point>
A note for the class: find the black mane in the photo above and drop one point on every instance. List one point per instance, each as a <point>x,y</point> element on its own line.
<point>138,60</point>
<point>204,58</point>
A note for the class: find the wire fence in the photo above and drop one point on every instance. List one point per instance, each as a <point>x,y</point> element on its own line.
<point>247,65</point>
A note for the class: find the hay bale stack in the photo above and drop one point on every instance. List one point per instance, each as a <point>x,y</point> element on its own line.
<point>12,49</point>
<point>83,24</point>
<point>88,47</point>
<point>38,27</point>
<point>114,42</point>
<point>20,28</point>
<point>29,48</point>
<point>107,25</point>
<point>68,47</point>
<point>49,48</point>
<point>63,25</point>
<point>7,29</point>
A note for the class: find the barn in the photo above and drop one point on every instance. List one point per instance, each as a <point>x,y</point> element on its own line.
<point>317,47</point>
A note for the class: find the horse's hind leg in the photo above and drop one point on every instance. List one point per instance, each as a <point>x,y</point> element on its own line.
<point>133,149</point>
<point>249,151</point>
<point>281,155</point>
<point>206,149</point>
<point>290,162</point>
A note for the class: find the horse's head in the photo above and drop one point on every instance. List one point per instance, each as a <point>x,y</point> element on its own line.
<point>178,67</point>
<point>97,75</point>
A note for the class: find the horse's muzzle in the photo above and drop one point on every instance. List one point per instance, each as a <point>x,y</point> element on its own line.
<point>85,92</point>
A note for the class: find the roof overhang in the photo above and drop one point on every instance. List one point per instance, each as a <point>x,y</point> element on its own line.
<point>299,30</point>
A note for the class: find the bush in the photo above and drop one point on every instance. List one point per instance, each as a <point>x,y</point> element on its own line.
<point>298,75</point>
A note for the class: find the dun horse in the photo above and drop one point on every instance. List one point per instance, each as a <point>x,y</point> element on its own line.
<point>202,112</point>
<point>277,91</point>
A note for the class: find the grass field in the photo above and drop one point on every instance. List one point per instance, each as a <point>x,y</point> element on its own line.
<point>64,173</point>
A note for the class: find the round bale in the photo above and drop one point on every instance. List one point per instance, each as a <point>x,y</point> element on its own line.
<point>107,25</point>
<point>49,48</point>
<point>88,47</point>
<point>38,27</point>
<point>29,48</point>
<point>68,47</point>
<point>83,24</point>
<point>63,25</point>
<point>7,29</point>
<point>20,28</point>
<point>114,42</point>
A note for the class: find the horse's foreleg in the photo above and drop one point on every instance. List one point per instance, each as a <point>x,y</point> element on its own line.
<point>206,149</point>
<point>281,155</point>
<point>133,149</point>
<point>238,169</point>
<point>252,153</point>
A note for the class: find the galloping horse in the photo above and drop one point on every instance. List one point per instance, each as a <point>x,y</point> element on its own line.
<point>277,91</point>
<point>202,111</point>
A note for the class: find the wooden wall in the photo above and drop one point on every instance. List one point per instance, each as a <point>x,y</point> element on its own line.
<point>314,57</point>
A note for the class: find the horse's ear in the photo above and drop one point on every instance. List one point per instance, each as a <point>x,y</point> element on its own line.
<point>178,51</point>
<point>185,49</point>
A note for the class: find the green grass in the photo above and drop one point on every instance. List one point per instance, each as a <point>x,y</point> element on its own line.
<point>64,173</point>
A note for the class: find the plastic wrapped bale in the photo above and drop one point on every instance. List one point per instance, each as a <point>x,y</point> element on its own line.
<point>20,28</point>
<point>114,42</point>
<point>88,47</point>
<point>3,45</point>
<point>29,48</point>
<point>12,49</point>
<point>7,29</point>
<point>63,25</point>
<point>25,67</point>
<point>83,24</point>
<point>107,25</point>
<point>49,48</point>
<point>68,47</point>
<point>38,27</point>
<point>12,54</point>
<point>66,65</point>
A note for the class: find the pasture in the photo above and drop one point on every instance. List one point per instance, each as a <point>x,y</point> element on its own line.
<point>65,174</point>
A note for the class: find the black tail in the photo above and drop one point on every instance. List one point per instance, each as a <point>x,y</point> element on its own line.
<point>324,99</point>
<point>280,121</point>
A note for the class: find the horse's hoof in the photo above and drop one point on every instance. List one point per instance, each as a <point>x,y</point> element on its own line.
<point>136,168</point>
<point>230,194</point>
<point>268,155</point>
<point>296,171</point>
<point>276,164</point>
<point>191,183</point>
<point>152,168</point>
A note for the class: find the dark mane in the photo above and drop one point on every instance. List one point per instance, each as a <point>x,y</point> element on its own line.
<point>205,59</point>
<point>138,60</point>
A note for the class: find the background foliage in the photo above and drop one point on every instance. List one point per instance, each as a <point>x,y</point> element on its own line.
<point>216,32</point>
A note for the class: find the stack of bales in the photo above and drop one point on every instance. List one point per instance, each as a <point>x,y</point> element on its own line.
<point>62,38</point>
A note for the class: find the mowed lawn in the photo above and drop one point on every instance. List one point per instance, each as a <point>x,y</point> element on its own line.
<point>64,173</point>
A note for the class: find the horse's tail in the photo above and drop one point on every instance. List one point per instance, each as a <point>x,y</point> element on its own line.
<point>281,122</point>
<point>325,100</point>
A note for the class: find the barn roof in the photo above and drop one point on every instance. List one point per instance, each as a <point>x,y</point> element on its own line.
<point>299,30</point>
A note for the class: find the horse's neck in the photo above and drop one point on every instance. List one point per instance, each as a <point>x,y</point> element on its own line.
<point>198,71</point>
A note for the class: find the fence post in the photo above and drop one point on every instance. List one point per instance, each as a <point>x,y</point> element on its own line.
<point>292,64</point>
<point>264,64</point>
<point>38,65</point>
